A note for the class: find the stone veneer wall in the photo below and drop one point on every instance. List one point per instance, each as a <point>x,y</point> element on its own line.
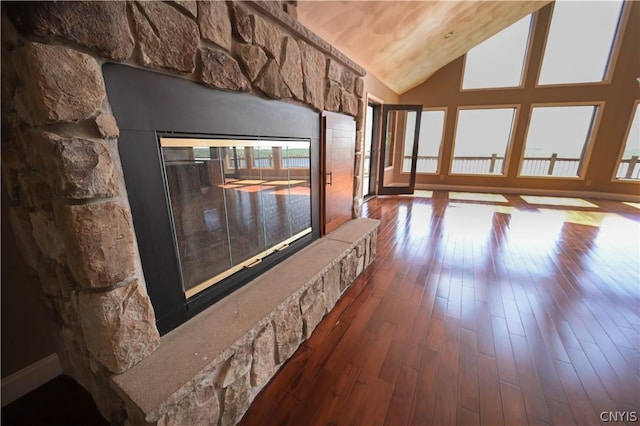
<point>60,164</point>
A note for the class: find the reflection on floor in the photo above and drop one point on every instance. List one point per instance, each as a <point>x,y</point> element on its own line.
<point>221,226</point>
<point>557,201</point>
<point>476,312</point>
<point>299,187</point>
<point>527,317</point>
<point>285,182</point>
<point>246,181</point>
<point>254,188</point>
<point>636,205</point>
<point>422,194</point>
<point>476,196</point>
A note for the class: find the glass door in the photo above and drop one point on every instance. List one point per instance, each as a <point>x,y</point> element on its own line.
<point>370,150</point>
<point>398,149</point>
<point>224,225</point>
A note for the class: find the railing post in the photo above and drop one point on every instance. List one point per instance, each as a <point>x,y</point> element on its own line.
<point>632,165</point>
<point>552,163</point>
<point>276,153</point>
<point>492,165</point>
<point>249,158</point>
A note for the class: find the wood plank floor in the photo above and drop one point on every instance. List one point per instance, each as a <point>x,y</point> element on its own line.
<point>478,310</point>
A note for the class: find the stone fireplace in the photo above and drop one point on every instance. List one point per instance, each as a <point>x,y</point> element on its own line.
<point>71,210</point>
<point>222,185</point>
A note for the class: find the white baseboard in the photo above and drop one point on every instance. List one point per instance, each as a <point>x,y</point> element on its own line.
<point>24,381</point>
<point>531,191</point>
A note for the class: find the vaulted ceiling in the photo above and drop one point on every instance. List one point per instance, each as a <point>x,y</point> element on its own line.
<point>403,43</point>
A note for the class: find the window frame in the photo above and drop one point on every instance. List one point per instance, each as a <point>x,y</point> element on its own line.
<point>508,152</point>
<point>590,141</point>
<point>614,52</point>
<point>376,129</point>
<point>623,146</point>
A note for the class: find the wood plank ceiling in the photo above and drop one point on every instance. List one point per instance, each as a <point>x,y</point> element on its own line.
<point>403,43</point>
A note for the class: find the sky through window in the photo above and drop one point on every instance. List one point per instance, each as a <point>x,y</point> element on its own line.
<point>499,60</point>
<point>580,41</point>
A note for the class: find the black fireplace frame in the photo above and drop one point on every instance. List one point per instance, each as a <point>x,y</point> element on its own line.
<point>148,105</point>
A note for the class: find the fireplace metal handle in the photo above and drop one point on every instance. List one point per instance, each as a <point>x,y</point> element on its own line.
<point>252,264</point>
<point>330,174</point>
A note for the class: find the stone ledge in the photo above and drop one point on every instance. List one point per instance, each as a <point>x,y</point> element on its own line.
<point>354,232</point>
<point>199,347</point>
<point>273,9</point>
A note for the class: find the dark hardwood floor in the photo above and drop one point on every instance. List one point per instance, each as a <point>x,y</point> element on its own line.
<point>478,310</point>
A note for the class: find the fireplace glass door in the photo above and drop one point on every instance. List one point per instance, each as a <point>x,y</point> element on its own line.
<point>234,202</point>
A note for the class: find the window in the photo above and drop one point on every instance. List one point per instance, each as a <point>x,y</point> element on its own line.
<point>580,41</point>
<point>481,140</point>
<point>295,157</point>
<point>557,140</point>
<point>431,130</point>
<point>263,157</point>
<point>629,165</point>
<point>499,60</point>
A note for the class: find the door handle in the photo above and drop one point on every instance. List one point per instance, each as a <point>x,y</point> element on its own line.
<point>330,174</point>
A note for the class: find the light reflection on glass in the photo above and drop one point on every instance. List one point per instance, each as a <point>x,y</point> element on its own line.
<point>234,202</point>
